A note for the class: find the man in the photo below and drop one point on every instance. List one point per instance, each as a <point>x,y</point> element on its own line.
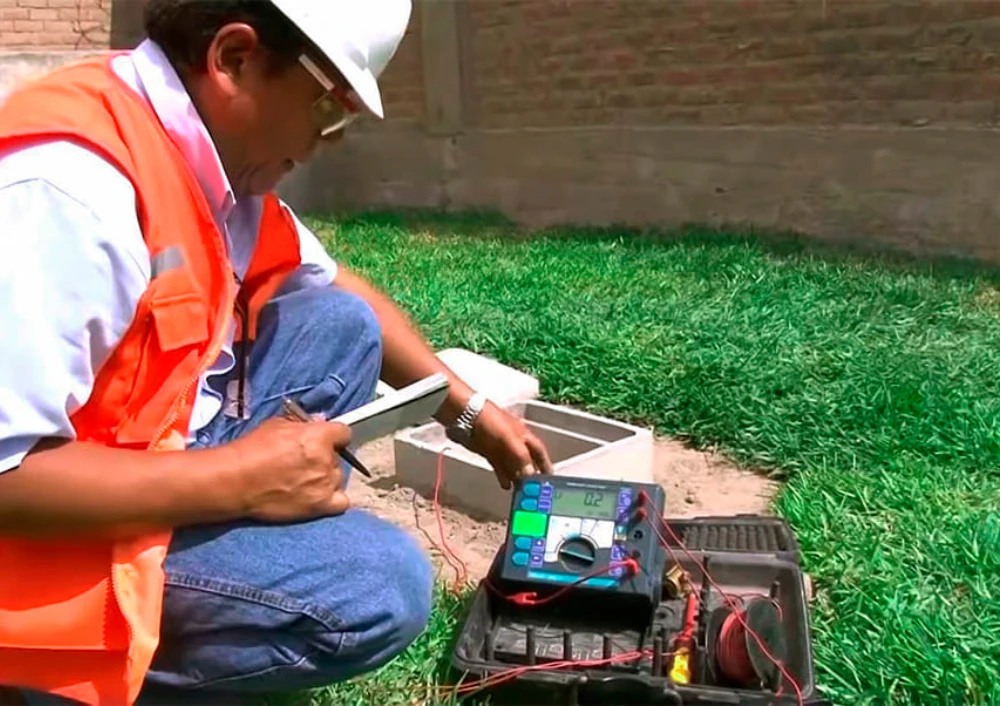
<point>161,523</point>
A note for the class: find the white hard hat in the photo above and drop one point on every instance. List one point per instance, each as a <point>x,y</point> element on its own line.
<point>358,36</point>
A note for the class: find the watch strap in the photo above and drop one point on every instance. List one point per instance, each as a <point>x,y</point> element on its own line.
<point>467,419</point>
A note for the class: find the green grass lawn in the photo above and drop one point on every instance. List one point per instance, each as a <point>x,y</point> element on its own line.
<point>871,386</point>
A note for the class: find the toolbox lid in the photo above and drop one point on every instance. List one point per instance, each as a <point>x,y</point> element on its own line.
<point>740,534</point>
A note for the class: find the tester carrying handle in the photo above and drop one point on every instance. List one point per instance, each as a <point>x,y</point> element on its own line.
<point>637,689</point>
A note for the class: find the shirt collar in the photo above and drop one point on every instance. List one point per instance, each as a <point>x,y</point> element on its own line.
<point>173,106</point>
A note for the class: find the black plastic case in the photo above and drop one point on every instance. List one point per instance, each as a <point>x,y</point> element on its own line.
<point>744,554</point>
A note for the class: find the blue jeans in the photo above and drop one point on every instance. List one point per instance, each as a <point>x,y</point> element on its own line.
<point>252,607</point>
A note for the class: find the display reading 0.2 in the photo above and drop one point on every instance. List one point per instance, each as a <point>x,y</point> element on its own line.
<point>584,503</point>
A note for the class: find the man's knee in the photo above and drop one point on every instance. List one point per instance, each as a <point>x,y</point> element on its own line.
<point>338,309</point>
<point>291,618</point>
<point>321,346</point>
<point>409,590</point>
<point>328,312</point>
<point>398,600</point>
<point>381,607</point>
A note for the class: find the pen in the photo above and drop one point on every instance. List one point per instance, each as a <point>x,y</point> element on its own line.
<point>293,408</point>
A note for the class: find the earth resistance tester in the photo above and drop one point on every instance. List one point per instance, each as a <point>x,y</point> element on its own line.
<point>596,594</point>
<point>591,535</point>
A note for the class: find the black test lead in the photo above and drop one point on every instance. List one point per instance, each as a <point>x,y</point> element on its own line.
<point>489,646</point>
<point>657,656</point>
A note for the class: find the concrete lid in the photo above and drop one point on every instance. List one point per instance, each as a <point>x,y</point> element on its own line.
<point>502,384</point>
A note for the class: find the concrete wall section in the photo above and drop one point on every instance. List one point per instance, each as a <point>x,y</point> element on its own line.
<point>18,66</point>
<point>390,167</point>
<point>922,191</point>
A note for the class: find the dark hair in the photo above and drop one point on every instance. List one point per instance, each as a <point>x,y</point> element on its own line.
<point>184,29</point>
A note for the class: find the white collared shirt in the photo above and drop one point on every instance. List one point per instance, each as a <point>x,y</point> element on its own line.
<point>73,262</point>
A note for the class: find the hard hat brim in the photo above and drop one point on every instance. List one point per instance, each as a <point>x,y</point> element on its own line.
<point>363,82</point>
<point>315,20</point>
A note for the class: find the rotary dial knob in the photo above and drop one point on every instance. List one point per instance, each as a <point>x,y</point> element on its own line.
<point>577,554</point>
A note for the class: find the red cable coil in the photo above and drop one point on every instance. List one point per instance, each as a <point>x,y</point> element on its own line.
<point>731,650</point>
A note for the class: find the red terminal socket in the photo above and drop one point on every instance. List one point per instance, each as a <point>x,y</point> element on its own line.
<point>631,567</point>
<point>640,514</point>
<point>641,498</point>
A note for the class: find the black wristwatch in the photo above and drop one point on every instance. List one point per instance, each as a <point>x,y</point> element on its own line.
<point>461,431</point>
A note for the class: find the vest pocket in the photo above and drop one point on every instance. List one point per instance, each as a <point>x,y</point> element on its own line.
<point>180,320</point>
<point>57,595</point>
<point>165,349</point>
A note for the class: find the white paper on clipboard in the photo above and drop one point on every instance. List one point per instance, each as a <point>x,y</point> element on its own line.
<point>407,406</point>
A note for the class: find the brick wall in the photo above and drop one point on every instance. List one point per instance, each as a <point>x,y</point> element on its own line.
<point>554,63</point>
<point>403,81</point>
<point>55,24</point>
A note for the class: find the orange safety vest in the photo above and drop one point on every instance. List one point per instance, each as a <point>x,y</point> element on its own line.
<point>80,617</point>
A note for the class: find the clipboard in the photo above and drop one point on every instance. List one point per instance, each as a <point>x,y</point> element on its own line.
<point>407,406</point>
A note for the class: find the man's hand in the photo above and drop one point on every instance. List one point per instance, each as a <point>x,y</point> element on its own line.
<point>291,470</point>
<point>507,443</point>
<point>501,438</point>
<point>282,471</point>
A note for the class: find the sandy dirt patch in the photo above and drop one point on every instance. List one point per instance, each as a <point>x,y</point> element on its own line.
<point>696,482</point>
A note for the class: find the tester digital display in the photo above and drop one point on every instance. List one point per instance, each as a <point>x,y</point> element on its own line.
<point>584,503</point>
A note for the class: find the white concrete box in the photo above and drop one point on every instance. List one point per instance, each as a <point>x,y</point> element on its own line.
<point>580,444</point>
<point>502,384</point>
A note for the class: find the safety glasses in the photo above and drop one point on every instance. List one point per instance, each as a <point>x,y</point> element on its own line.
<point>335,109</point>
